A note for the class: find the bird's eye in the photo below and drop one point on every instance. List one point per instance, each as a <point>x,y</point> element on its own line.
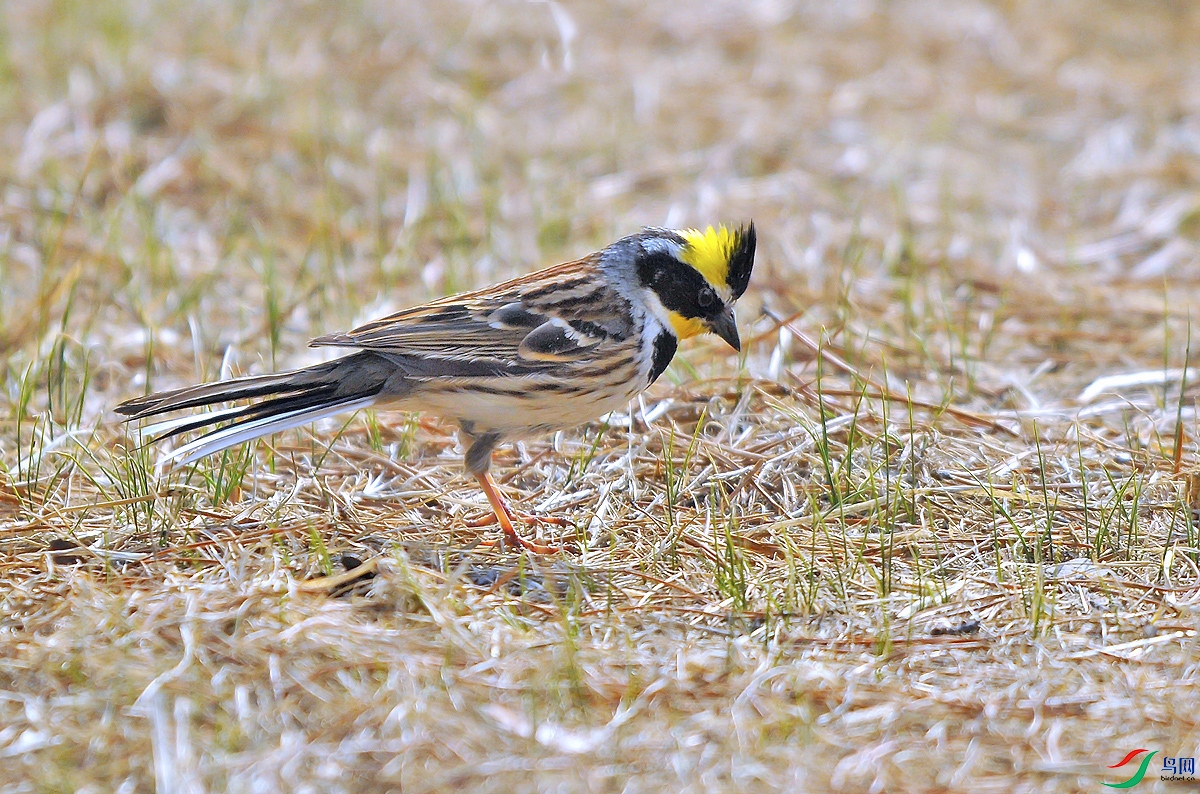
<point>706,298</point>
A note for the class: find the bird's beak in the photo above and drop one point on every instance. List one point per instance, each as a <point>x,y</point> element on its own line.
<point>725,326</point>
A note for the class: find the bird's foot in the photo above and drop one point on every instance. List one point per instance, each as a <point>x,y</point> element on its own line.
<point>505,517</point>
<point>527,518</point>
<point>512,537</point>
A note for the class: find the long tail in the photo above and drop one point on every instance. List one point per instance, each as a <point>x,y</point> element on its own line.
<point>285,400</point>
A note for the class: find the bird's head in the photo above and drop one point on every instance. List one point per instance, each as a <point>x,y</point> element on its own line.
<point>697,276</point>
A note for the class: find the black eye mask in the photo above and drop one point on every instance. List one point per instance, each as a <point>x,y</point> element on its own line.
<point>680,287</point>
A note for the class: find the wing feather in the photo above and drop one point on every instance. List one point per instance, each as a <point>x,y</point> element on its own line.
<point>556,340</point>
<point>530,324</point>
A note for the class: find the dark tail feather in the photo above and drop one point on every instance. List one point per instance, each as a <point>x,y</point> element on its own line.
<point>296,398</point>
<point>205,394</point>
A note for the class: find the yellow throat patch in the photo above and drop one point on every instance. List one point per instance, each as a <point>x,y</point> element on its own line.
<point>686,328</point>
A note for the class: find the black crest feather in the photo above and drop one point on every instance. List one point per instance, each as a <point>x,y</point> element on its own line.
<point>741,259</point>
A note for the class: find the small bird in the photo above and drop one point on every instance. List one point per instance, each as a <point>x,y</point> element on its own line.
<point>543,352</point>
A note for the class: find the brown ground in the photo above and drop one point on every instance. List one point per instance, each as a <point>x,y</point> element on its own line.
<point>977,573</point>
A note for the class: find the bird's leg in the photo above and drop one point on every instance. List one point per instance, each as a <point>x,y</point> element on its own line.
<point>504,517</point>
<point>478,460</point>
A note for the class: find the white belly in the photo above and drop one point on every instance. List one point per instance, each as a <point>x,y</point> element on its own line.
<point>513,416</point>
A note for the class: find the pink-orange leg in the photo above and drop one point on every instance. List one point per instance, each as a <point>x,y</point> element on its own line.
<point>504,517</point>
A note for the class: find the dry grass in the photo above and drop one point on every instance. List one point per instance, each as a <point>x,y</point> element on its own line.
<point>900,545</point>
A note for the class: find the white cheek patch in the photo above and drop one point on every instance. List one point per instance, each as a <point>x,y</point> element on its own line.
<point>660,312</point>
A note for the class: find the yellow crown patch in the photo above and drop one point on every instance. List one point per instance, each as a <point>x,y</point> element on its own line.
<point>709,252</point>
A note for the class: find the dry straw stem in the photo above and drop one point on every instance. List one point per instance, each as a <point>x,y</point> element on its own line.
<point>935,531</point>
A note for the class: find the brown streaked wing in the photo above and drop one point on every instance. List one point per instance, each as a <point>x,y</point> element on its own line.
<point>462,321</point>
